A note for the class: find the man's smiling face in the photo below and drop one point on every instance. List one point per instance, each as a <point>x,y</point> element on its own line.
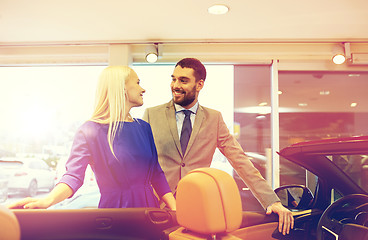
<point>184,87</point>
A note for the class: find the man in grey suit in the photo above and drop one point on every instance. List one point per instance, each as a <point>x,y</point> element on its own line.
<point>207,131</point>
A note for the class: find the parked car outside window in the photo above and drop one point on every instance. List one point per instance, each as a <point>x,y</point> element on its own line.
<point>4,179</point>
<point>28,175</point>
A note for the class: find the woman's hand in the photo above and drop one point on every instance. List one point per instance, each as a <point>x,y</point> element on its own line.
<point>31,203</point>
<point>169,200</point>
<point>58,194</point>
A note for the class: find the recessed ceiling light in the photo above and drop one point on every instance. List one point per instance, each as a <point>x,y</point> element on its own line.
<point>353,104</point>
<point>302,104</point>
<point>262,104</point>
<point>325,92</point>
<point>218,9</point>
<point>261,117</point>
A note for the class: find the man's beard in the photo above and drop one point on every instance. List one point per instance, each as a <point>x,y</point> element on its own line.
<point>187,100</point>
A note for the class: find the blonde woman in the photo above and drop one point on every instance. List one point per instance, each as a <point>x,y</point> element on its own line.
<point>120,150</point>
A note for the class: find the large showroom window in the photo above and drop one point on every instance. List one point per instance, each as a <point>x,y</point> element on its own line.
<point>41,108</point>
<point>319,105</point>
<point>252,108</point>
<point>312,106</point>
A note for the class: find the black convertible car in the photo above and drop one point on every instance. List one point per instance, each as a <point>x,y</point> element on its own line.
<point>333,205</point>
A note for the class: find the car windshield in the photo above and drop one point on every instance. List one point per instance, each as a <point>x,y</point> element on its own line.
<point>355,166</point>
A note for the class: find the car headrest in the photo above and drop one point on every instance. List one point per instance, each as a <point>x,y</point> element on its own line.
<point>10,229</point>
<point>208,202</point>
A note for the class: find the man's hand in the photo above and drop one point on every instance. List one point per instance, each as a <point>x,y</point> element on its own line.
<point>286,219</point>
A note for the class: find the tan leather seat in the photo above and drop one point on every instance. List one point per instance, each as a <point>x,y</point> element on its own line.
<point>209,207</point>
<point>10,229</point>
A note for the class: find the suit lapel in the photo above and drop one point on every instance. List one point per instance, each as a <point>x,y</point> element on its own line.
<point>171,119</point>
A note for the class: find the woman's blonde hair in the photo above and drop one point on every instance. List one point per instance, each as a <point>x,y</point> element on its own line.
<point>110,99</point>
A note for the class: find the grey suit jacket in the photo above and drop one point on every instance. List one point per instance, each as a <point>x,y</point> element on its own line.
<point>209,131</point>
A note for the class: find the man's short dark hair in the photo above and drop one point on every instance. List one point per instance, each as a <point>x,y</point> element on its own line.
<point>196,65</point>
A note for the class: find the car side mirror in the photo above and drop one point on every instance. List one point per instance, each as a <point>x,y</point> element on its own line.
<point>295,196</point>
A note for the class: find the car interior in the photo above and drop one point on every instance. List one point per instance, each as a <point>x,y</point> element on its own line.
<point>209,207</point>
<point>214,212</point>
<point>216,209</point>
<point>129,223</point>
<point>339,206</point>
<point>10,228</point>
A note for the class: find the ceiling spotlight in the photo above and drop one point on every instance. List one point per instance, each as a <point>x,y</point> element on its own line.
<point>338,54</point>
<point>218,9</point>
<point>152,53</point>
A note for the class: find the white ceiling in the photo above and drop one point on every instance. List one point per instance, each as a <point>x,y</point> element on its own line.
<point>45,21</point>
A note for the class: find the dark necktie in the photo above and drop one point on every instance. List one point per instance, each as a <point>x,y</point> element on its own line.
<point>185,131</point>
